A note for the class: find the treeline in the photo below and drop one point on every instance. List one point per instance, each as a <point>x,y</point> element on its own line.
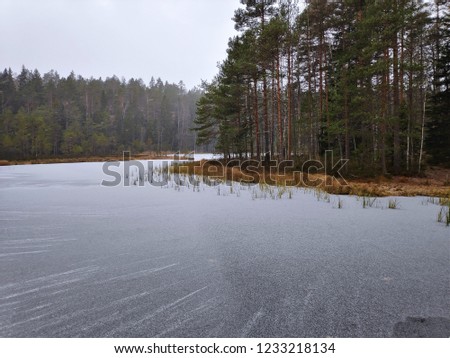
<point>368,79</point>
<point>49,116</point>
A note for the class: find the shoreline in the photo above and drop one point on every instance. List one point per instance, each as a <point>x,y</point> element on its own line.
<point>435,182</point>
<point>93,159</point>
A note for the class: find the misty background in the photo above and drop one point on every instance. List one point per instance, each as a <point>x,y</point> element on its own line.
<point>175,40</point>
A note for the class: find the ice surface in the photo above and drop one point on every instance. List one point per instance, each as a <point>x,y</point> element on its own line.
<point>79,259</point>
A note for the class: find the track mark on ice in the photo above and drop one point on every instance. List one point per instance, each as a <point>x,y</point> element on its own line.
<point>159,310</point>
<point>138,274</point>
<point>23,253</point>
<point>252,322</point>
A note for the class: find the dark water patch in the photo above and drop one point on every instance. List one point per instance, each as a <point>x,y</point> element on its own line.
<point>420,327</point>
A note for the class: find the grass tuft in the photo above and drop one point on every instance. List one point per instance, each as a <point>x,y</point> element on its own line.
<point>290,194</point>
<point>444,215</point>
<point>444,202</point>
<point>368,202</point>
<point>393,204</point>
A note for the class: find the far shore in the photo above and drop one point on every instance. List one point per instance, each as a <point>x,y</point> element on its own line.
<point>61,160</point>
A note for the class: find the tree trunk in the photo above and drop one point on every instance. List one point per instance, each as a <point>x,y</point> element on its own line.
<point>422,135</point>
<point>256,118</point>
<point>384,98</point>
<point>289,109</point>
<point>266,114</point>
<point>280,124</point>
<point>346,118</point>
<point>396,111</point>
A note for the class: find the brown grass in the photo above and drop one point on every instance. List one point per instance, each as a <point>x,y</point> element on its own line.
<point>55,160</point>
<point>434,184</point>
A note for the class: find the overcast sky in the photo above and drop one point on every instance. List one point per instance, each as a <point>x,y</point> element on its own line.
<point>172,39</point>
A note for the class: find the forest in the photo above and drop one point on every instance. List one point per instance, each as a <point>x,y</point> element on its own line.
<point>367,79</point>
<point>44,116</point>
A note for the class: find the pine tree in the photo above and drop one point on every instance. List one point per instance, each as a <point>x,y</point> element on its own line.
<point>438,127</point>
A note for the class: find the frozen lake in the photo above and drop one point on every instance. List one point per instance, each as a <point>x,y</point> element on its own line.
<point>81,260</point>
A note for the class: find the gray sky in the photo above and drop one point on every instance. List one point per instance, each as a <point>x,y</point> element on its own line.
<point>172,39</point>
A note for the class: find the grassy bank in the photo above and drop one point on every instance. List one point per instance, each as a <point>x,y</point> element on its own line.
<point>435,183</point>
